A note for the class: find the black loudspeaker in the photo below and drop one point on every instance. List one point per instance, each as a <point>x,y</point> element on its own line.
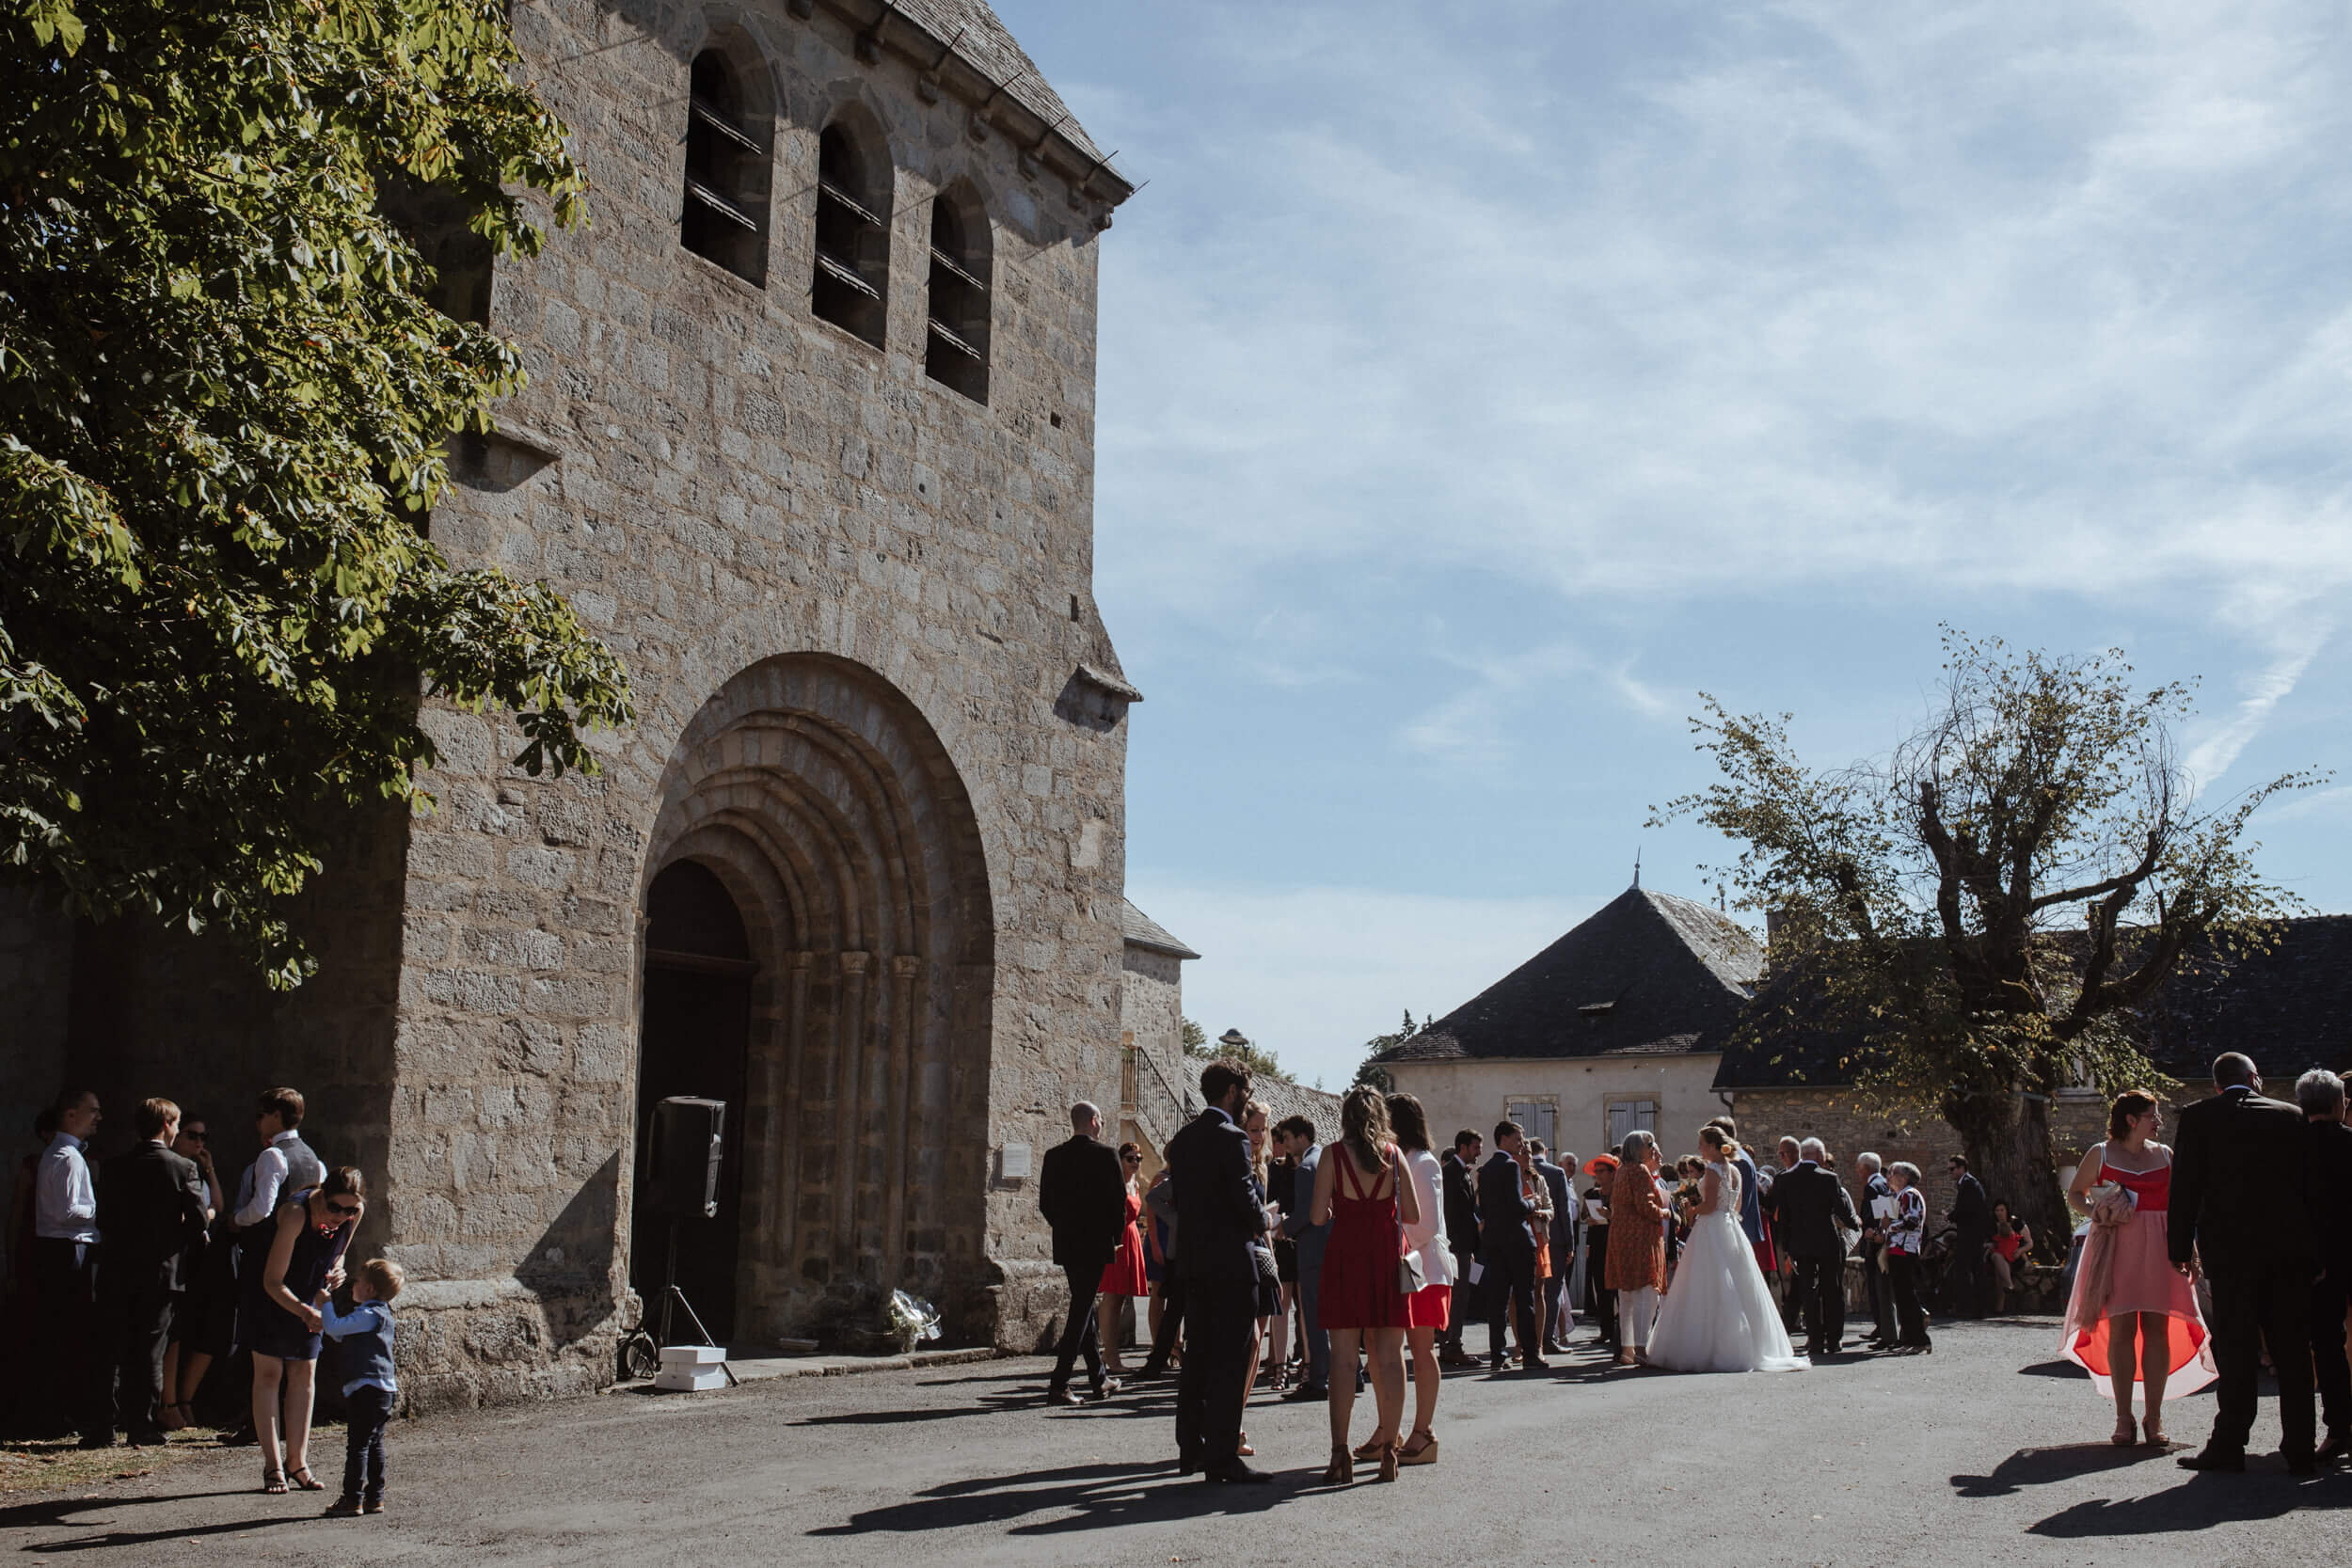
<point>682,1163</point>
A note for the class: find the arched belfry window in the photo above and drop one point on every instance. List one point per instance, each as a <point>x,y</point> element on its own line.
<point>852,283</point>
<point>956,350</point>
<point>726,215</point>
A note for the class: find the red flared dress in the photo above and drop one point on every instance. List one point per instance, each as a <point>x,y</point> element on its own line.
<point>1123,1274</point>
<point>2127,1268</point>
<point>1360,1258</point>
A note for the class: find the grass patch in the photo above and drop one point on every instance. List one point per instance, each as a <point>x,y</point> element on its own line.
<point>56,1464</point>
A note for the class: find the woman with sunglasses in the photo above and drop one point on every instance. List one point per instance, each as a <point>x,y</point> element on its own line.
<point>306,1255</point>
<point>1123,1276</point>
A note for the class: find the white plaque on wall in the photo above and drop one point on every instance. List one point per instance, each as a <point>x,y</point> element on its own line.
<point>1012,1163</point>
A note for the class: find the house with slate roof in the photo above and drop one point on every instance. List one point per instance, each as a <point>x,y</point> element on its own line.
<point>1609,1029</point>
<point>1784,1068</point>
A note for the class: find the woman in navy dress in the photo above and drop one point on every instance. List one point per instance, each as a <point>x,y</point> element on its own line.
<point>305,1256</point>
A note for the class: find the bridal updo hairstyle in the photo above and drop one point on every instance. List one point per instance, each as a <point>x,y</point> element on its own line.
<point>1719,1140</point>
<point>2130,1103</point>
<point>1364,1126</point>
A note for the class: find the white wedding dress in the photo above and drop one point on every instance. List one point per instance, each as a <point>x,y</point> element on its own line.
<point>1719,1317</point>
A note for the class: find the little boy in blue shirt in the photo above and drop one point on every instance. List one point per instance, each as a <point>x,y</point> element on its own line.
<point>365,1334</point>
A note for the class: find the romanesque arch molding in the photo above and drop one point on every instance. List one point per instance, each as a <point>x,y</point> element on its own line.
<point>831,811</point>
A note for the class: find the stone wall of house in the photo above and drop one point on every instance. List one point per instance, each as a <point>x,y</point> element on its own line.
<point>773,522</point>
<point>1850,1123</point>
<point>1151,1028</point>
<point>1475,1093</point>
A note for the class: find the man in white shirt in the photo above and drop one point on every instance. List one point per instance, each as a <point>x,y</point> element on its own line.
<point>78,1388</point>
<point>285,1166</point>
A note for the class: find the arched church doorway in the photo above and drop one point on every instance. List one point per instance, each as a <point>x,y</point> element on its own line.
<point>695,1034</point>
<point>818,801</point>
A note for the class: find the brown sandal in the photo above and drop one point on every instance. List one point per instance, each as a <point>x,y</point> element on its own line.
<point>274,1482</point>
<point>1341,1470</point>
<point>1425,1453</point>
<point>300,1475</point>
<point>1388,1463</point>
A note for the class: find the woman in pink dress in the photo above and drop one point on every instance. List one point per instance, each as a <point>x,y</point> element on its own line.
<point>2133,1318</point>
<point>1123,1276</point>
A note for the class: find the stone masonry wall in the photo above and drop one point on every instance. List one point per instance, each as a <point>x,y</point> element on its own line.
<point>35,956</point>
<point>726,479</point>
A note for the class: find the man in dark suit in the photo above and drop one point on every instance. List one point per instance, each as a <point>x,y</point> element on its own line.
<point>2320,1093</point>
<point>1218,1210</point>
<point>1563,1244</point>
<point>1083,1194</point>
<point>1298,1144</point>
<point>1506,1251</point>
<point>2241,1207</point>
<point>1972,1218</point>
<point>1461,1238</point>
<point>1877,1207</point>
<point>1810,1212</point>
<point>151,1210</point>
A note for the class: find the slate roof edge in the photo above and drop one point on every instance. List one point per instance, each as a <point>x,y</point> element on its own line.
<point>1086,167</point>
<point>1636,1056</point>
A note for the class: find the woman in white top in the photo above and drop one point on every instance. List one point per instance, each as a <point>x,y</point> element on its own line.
<point>1432,1306</point>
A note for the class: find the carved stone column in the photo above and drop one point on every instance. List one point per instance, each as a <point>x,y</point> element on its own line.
<point>900,1160</point>
<point>790,1176</point>
<point>850,1031</point>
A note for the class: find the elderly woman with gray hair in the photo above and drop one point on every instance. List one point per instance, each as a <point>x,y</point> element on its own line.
<point>1637,1246</point>
<point>2320,1094</point>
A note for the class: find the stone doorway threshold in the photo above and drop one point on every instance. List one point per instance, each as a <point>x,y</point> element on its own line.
<point>752,1365</point>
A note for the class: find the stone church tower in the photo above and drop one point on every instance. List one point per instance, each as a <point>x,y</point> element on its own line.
<point>809,440</point>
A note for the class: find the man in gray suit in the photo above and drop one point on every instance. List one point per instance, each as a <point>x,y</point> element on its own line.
<point>1563,1242</point>
<point>1298,1142</point>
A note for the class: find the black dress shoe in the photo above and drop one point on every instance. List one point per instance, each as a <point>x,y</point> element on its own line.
<point>2306,1465</point>
<point>1238,1474</point>
<point>97,1440</point>
<point>2336,1450</point>
<point>1151,1371</point>
<point>1187,1463</point>
<point>1535,1364</point>
<point>1309,1393</point>
<point>2232,1460</point>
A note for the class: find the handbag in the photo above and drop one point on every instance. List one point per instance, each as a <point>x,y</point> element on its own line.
<point>1411,1277</point>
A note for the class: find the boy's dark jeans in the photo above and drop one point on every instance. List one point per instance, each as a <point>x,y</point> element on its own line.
<point>367,1412</point>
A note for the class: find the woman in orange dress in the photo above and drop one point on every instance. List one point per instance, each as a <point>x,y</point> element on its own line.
<point>1637,1246</point>
<point>1537,1192</point>
<point>1123,1276</point>
<point>2133,1318</point>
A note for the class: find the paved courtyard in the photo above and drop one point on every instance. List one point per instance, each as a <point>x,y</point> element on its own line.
<point>1985,1453</point>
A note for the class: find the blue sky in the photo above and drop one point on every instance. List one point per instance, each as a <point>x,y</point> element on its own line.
<point>1480,383</point>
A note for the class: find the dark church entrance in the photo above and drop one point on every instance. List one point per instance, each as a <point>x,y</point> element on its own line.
<point>697,1027</point>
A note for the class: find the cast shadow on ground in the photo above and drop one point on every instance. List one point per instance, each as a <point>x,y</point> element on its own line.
<point>2201,1502</point>
<point>58,1513</point>
<point>2046,1466</point>
<point>1105,1495</point>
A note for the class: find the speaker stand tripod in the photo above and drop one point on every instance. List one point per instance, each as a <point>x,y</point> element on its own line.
<point>673,1297</point>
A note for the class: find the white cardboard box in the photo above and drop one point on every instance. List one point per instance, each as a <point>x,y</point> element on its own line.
<point>690,1379</point>
<point>693,1356</point>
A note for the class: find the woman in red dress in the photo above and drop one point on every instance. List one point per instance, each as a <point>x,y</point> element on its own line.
<point>1359,1195</point>
<point>1123,1276</point>
<point>2133,1318</point>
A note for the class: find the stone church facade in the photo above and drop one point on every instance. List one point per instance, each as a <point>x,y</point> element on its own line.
<point>809,440</point>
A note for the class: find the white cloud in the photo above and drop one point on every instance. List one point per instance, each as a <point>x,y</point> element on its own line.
<point>1313,973</point>
<point>1800,293</point>
<point>2213,756</point>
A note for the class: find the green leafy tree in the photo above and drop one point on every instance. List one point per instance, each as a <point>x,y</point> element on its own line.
<point>226,379</point>
<point>1261,1063</point>
<point>1982,912</point>
<point>1371,1072</point>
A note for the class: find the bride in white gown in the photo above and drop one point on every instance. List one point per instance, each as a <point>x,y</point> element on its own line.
<point>1719,1316</point>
